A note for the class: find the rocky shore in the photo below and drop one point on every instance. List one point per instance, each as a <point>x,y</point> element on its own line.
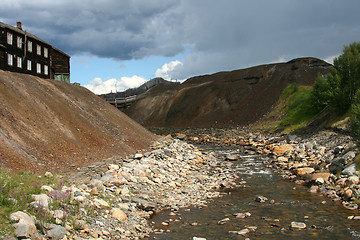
<point>325,162</point>
<point>114,199</point>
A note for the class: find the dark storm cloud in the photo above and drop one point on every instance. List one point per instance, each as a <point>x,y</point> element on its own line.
<point>222,35</point>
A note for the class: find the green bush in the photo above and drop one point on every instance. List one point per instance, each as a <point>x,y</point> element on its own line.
<point>355,118</point>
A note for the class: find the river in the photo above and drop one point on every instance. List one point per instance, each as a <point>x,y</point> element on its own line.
<point>287,202</point>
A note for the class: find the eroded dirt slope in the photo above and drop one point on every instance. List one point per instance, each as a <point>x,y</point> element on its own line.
<point>47,125</point>
<point>224,99</point>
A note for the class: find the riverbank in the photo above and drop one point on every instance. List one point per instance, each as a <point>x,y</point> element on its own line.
<point>116,197</point>
<point>325,162</point>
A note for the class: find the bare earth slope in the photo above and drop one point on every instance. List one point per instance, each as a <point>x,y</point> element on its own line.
<point>223,99</point>
<point>46,125</point>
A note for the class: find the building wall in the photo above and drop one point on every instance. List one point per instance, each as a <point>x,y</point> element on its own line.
<point>60,66</point>
<point>47,63</point>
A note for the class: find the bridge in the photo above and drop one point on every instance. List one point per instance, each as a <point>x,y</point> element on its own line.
<point>121,102</point>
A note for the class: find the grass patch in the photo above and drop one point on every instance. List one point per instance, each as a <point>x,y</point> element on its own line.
<point>297,108</point>
<point>292,112</point>
<point>16,189</point>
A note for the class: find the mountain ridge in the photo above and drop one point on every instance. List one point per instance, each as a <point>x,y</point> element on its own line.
<point>223,99</point>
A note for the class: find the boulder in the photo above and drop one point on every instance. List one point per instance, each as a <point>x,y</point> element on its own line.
<point>42,200</point>
<point>338,164</point>
<point>99,203</point>
<point>118,214</point>
<point>350,170</point>
<point>57,233</point>
<point>25,227</point>
<point>304,170</point>
<point>282,149</point>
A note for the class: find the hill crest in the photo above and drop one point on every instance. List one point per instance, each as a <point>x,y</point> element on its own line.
<point>48,125</point>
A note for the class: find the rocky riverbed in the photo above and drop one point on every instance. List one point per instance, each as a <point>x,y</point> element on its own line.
<point>116,197</point>
<point>325,162</point>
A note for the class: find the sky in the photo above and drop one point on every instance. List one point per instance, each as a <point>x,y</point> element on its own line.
<point>120,44</point>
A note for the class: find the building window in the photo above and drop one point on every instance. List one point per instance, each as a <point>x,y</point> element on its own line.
<point>38,49</point>
<point>19,42</point>
<point>19,62</point>
<point>29,65</point>
<point>46,70</point>
<point>29,46</point>
<point>38,68</point>
<point>9,38</point>
<point>46,52</point>
<point>10,60</point>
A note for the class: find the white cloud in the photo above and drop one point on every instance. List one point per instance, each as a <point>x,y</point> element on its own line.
<point>98,86</point>
<point>170,71</point>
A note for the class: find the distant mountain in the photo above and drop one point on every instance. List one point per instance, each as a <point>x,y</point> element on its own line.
<point>135,91</point>
<point>223,99</point>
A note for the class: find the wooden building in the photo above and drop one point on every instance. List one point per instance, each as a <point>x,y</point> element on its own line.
<point>23,52</point>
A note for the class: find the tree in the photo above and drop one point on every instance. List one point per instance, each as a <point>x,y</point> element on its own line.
<point>338,88</point>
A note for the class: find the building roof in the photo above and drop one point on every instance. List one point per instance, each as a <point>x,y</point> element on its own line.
<point>18,30</point>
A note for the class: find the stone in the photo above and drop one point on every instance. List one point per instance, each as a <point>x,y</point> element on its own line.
<point>338,164</point>
<point>354,179</point>
<point>314,189</point>
<point>48,174</point>
<point>57,233</point>
<point>125,191</point>
<point>80,224</point>
<point>198,238</point>
<point>99,203</point>
<point>113,167</point>
<point>25,226</point>
<point>47,188</point>
<point>42,200</point>
<point>118,214</point>
<point>283,159</point>
<point>298,225</point>
<point>58,214</point>
<point>304,170</point>
<point>348,194</point>
<point>144,204</point>
<point>261,199</point>
<point>243,232</point>
<point>232,157</point>
<point>242,215</point>
<point>117,181</point>
<point>223,221</point>
<point>349,170</point>
<point>138,156</point>
<point>282,149</point>
<point>324,176</point>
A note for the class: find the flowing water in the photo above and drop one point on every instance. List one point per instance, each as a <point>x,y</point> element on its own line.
<point>324,218</point>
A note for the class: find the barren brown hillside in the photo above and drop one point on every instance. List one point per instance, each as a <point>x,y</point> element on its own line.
<point>46,125</point>
<point>223,99</point>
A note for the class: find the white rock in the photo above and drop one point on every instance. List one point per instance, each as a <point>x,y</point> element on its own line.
<point>47,188</point>
<point>25,227</point>
<point>42,200</point>
<point>113,167</point>
<point>101,203</point>
<point>298,225</point>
